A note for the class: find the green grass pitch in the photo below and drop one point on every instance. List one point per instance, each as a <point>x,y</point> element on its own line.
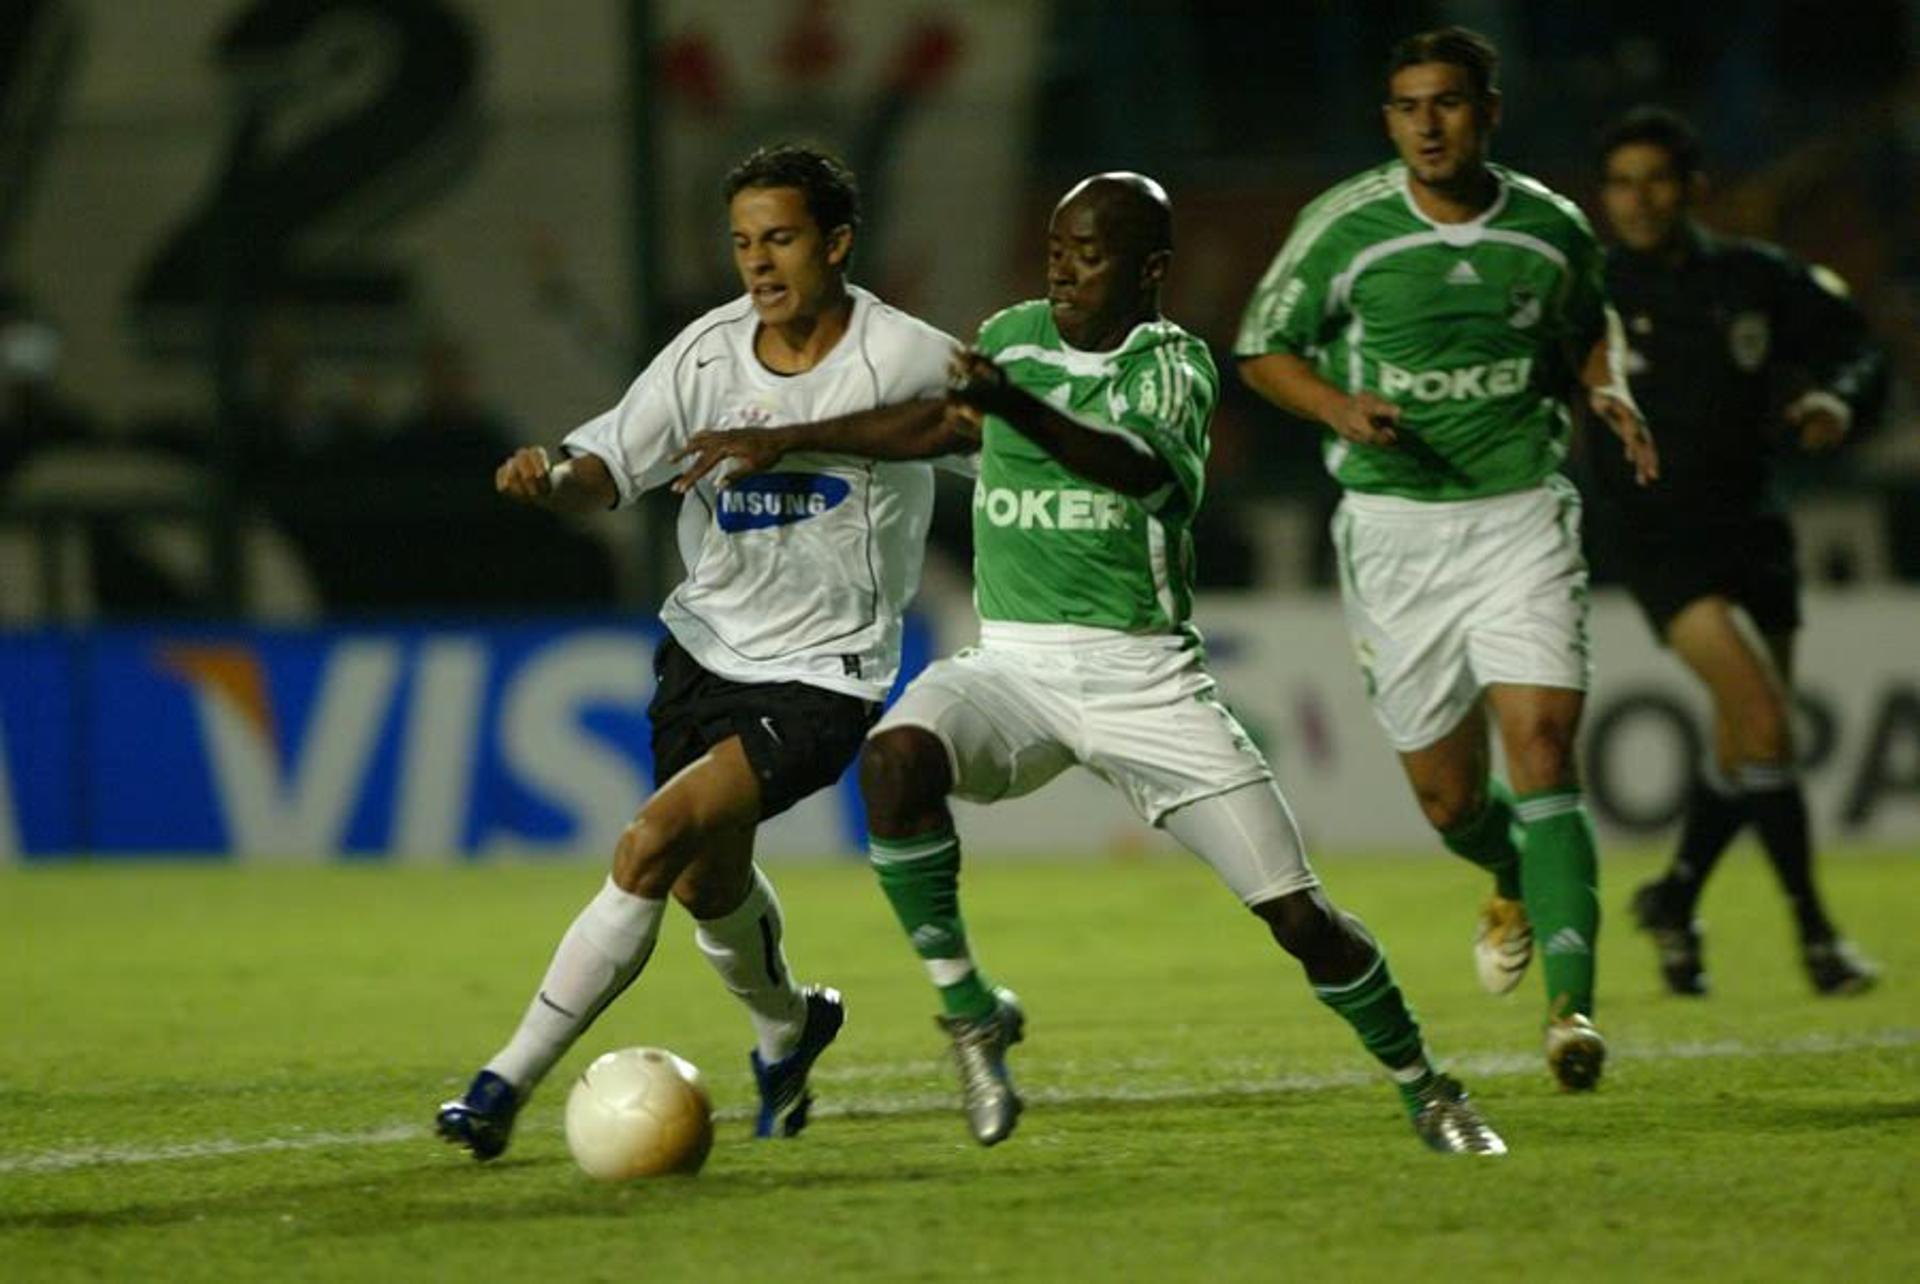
<point>220,1074</point>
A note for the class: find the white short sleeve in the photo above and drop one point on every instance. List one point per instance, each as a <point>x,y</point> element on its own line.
<point>639,437</point>
<point>916,357</point>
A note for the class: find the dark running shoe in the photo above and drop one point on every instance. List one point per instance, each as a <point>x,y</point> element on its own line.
<point>482,1119</point>
<point>784,1099</point>
<point>1676,937</point>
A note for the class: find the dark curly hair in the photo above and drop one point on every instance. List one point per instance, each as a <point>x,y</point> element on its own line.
<point>832,195</point>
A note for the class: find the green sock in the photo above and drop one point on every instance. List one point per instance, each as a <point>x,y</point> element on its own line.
<point>921,877</point>
<point>1488,839</point>
<point>1373,1006</point>
<point>1562,876</point>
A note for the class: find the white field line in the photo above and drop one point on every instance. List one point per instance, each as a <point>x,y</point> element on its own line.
<point>1473,1067</point>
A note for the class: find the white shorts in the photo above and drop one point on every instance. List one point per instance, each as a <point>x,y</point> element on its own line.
<point>1142,713</point>
<point>1443,599</point>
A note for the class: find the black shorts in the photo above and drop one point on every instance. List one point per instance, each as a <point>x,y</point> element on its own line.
<point>798,738</point>
<point>1750,562</point>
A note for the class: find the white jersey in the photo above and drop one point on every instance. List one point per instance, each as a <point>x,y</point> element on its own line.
<point>800,574</point>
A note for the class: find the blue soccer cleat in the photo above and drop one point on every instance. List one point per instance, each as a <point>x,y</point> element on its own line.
<point>784,1099</point>
<point>482,1119</point>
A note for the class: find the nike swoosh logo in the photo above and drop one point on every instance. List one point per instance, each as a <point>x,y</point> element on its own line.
<point>767,724</point>
<point>701,363</point>
<point>571,1016</point>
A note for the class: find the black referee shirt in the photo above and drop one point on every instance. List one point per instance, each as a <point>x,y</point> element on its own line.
<point>1719,346</point>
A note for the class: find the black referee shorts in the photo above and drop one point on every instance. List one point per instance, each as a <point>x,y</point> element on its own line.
<point>798,738</point>
<point>1750,562</point>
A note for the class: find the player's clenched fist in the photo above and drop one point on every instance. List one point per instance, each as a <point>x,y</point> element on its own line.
<point>1367,419</point>
<point>526,476</point>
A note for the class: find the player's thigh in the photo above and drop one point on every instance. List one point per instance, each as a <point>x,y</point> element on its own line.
<point>1537,729</point>
<point>1528,625</point>
<point>1249,837</point>
<point>717,793</point>
<point>1152,723</point>
<point>997,722</point>
<point>1449,776</point>
<point>1713,637</point>
<point>1407,629</point>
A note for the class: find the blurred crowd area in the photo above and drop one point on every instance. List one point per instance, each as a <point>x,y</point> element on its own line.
<point>302,476</point>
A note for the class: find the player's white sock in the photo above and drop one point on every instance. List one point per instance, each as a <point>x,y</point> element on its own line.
<point>601,954</point>
<point>744,948</point>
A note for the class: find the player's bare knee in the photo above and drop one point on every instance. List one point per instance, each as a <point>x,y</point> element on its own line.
<point>1305,925</point>
<point>1449,809</point>
<point>903,777</point>
<point>1541,757</point>
<point>1764,731</point>
<point>651,853</point>
<point>709,888</point>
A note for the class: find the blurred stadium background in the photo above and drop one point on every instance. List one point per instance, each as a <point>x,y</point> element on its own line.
<point>281,280</point>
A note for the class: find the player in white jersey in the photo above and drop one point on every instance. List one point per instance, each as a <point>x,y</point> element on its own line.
<point>1093,413</point>
<point>783,639</point>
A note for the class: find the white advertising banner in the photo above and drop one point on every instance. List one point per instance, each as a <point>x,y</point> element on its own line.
<point>1286,667</point>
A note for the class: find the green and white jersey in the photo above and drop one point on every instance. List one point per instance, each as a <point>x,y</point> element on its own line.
<point>1467,327</point>
<point>1050,547</point>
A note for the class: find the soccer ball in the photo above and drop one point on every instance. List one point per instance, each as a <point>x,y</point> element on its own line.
<point>639,1112</point>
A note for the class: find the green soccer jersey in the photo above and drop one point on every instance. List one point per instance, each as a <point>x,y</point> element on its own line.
<point>1470,328</point>
<point>1050,547</point>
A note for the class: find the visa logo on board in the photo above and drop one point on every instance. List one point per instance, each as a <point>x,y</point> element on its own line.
<point>452,726</point>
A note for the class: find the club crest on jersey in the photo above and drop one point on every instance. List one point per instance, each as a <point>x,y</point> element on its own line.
<point>1748,335</point>
<point>777,499</point>
<point>1524,307</point>
<point>746,415</point>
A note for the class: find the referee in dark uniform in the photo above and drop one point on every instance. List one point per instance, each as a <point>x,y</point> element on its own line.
<point>1736,350</point>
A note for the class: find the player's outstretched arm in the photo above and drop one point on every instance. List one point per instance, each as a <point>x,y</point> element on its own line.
<point>1612,402</point>
<point>924,429</point>
<point>578,485</point>
<point>1292,384</point>
<point>1115,460</point>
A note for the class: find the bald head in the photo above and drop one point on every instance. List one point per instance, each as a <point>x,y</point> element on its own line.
<point>1132,210</point>
<point>1108,246</point>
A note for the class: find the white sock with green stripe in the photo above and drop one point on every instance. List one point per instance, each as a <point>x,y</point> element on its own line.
<point>921,877</point>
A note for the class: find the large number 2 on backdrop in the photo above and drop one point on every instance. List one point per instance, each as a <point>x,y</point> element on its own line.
<point>345,116</point>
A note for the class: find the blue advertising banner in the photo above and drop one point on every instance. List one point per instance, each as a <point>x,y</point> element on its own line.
<point>417,742</point>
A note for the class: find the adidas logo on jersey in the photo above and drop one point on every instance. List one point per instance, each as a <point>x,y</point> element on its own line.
<point>1463,274</point>
<point>1568,941</point>
<point>1048,510</point>
<point>1501,378</point>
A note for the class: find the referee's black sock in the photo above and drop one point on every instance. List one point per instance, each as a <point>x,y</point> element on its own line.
<point>1779,810</point>
<point>1714,815</point>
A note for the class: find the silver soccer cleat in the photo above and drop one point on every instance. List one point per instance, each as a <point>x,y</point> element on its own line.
<point>1575,1052</point>
<point>1502,945</point>
<point>980,1050</point>
<point>1448,1123</point>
